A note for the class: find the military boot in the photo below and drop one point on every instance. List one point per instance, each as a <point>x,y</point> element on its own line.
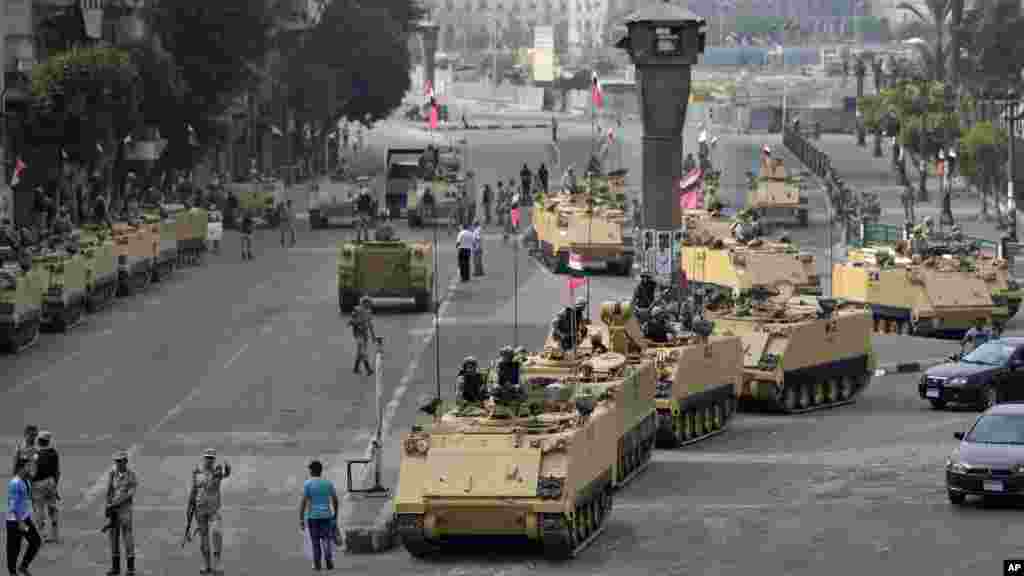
<point>131,566</point>
<point>115,566</point>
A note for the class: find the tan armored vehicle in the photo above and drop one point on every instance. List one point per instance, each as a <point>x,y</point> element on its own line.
<point>712,257</point>
<point>66,297</point>
<point>133,246</point>
<point>21,303</point>
<point>100,267</point>
<point>942,295</point>
<point>800,354</point>
<point>775,194</point>
<point>698,375</point>
<point>568,224</point>
<point>336,202</point>
<point>543,468</point>
<point>163,228</point>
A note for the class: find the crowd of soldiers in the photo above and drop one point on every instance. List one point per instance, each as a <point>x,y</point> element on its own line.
<point>34,498</point>
<point>472,383</point>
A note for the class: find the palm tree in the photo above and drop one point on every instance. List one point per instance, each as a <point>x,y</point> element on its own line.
<point>932,50</point>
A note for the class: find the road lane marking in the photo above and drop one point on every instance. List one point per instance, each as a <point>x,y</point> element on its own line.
<point>93,492</point>
<point>42,375</point>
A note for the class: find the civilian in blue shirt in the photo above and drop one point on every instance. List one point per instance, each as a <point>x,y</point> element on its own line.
<point>315,511</point>
<point>19,520</point>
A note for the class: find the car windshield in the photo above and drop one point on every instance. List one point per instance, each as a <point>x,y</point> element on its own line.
<point>990,353</point>
<point>998,429</point>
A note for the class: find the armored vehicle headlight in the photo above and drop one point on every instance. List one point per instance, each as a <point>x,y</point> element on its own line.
<point>417,446</point>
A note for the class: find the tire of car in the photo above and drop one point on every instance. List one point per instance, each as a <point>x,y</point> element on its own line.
<point>989,398</point>
<point>956,498</point>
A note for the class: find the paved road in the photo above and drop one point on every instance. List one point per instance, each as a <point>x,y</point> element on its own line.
<point>252,359</point>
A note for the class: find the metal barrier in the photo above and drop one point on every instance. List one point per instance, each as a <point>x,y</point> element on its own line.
<point>816,161</point>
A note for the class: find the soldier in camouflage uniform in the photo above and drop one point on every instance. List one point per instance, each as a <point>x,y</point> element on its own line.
<point>121,485</point>
<point>362,331</point>
<point>26,449</point>
<point>205,496</point>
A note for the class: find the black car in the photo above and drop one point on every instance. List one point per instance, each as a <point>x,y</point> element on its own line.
<point>990,458</point>
<point>992,373</point>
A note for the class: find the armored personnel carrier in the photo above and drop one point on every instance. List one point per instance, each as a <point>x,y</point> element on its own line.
<point>385,268</point>
<point>591,224</point>
<point>100,267</point>
<point>774,194</point>
<point>335,203</point>
<point>66,297</point>
<point>133,246</point>
<point>800,354</point>
<point>698,375</point>
<point>21,303</point>
<point>977,257</point>
<point>540,463</point>
<point>714,258</point>
<point>935,296</point>
<point>163,228</point>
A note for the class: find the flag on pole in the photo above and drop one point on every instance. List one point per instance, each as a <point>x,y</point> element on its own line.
<point>576,271</point>
<point>595,90</point>
<point>428,90</point>
<point>514,215</point>
<point>19,168</point>
<point>433,114</point>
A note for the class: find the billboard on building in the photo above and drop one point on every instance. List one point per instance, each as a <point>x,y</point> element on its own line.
<point>542,57</point>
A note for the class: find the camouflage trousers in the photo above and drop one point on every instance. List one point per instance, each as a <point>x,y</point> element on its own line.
<point>362,354</point>
<point>122,533</point>
<point>44,506</point>
<point>210,531</point>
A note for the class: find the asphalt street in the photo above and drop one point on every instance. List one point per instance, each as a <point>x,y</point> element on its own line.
<point>253,359</point>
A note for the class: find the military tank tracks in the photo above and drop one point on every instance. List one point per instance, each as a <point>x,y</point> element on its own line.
<point>25,335</point>
<point>635,450</point>
<point>564,536</point>
<point>695,424</point>
<point>101,296</point>
<point>67,316</point>
<point>136,280</point>
<point>801,398</point>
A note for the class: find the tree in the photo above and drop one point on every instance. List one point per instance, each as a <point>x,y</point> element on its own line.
<point>994,41</point>
<point>217,50</point>
<point>982,151</point>
<point>933,51</point>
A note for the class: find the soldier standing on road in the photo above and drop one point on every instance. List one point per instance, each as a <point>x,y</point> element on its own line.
<point>526,178</point>
<point>464,244</point>
<point>478,250</point>
<point>121,485</point>
<point>488,199</point>
<point>205,495</point>
<point>287,223</point>
<point>542,178</point>
<point>362,331</point>
<point>19,519</point>
<point>247,226</point>
<point>26,449</point>
<point>45,487</point>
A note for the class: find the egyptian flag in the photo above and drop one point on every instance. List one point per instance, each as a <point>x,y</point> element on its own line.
<point>19,168</point>
<point>691,190</point>
<point>595,91</point>
<point>577,273</point>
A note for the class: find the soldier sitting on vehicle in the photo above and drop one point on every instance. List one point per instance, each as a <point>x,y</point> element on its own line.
<point>562,325</point>
<point>657,326</point>
<point>471,386</point>
<point>597,344</point>
<point>746,227</point>
<point>645,292</point>
<point>508,375</point>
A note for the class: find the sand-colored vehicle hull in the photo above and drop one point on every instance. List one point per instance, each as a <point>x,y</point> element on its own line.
<point>925,299</point>
<point>134,249</point>
<point>100,268</point>
<point>796,361</point>
<point>775,196</point>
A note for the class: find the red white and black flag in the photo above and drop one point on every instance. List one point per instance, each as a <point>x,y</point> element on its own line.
<point>577,271</point>
<point>432,115</point>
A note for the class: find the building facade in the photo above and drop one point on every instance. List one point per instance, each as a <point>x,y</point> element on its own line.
<point>472,25</point>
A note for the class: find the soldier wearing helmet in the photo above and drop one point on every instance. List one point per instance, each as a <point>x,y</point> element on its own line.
<point>471,386</point>
<point>121,486</point>
<point>657,327</point>
<point>509,389</point>
<point>571,317</point>
<point>205,498</point>
<point>362,330</point>
<point>645,292</point>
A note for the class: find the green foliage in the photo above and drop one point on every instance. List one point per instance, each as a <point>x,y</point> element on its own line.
<point>993,44</point>
<point>981,151</point>
<point>873,109</point>
<point>88,71</point>
<point>905,100</point>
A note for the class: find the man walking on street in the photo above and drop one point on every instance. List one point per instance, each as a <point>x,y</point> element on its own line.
<point>362,331</point>
<point>247,226</point>
<point>542,178</point>
<point>45,487</point>
<point>478,250</point>
<point>19,520</point>
<point>464,244</point>
<point>205,495</point>
<point>526,179</point>
<point>121,485</point>
<point>287,223</point>
<point>26,449</point>
<point>319,512</point>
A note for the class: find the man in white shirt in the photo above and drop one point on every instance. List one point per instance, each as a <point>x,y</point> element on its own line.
<point>478,250</point>
<point>464,244</point>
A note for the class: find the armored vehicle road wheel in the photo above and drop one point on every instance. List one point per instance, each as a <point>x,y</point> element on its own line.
<point>314,219</point>
<point>423,301</point>
<point>810,394</point>
<point>69,317</point>
<point>24,336</point>
<point>410,530</point>
<point>957,498</point>
<point>347,301</point>
<point>801,217</point>
<point>842,389</point>
<point>790,397</point>
<point>989,398</point>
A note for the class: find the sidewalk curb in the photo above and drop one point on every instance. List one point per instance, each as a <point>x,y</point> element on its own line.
<point>909,367</point>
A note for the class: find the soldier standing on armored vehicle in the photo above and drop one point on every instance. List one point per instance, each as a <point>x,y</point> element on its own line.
<point>645,292</point>
<point>204,501</point>
<point>121,486</point>
<point>362,331</point>
<point>509,389</point>
<point>471,386</point>
<point>566,321</point>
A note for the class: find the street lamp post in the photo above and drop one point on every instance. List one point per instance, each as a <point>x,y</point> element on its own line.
<point>860,70</point>
<point>921,106</point>
<point>1011,163</point>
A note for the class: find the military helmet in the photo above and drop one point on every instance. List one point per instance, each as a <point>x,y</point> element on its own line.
<point>581,302</point>
<point>365,300</point>
<point>469,361</point>
<point>121,456</point>
<point>507,352</point>
<point>209,453</point>
<point>521,350</point>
